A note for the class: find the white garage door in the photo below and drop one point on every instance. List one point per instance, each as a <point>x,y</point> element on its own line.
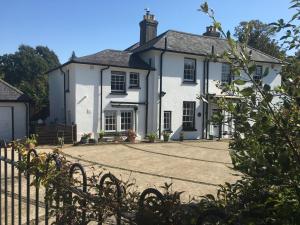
<point>6,123</point>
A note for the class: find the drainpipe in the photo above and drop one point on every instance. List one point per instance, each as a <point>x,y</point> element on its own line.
<point>27,118</point>
<point>135,119</point>
<point>204,94</point>
<point>101,94</point>
<point>207,104</point>
<point>65,98</point>
<point>147,103</point>
<point>160,85</point>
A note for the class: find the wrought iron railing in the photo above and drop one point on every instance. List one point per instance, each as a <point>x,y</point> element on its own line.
<point>23,203</point>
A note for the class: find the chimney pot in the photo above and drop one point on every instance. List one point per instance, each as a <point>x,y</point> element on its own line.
<point>211,31</point>
<point>148,27</point>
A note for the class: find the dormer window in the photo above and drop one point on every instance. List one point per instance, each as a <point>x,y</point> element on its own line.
<point>189,70</point>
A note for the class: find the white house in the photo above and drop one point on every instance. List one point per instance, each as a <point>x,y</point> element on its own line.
<point>151,86</point>
<point>14,112</point>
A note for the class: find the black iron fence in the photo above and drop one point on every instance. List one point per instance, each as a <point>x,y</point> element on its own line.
<point>24,203</point>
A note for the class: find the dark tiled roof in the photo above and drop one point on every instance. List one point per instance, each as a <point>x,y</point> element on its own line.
<point>114,58</point>
<point>10,93</point>
<point>195,44</point>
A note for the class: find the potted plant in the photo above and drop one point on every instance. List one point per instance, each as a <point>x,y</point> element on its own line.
<point>101,135</point>
<point>85,138</point>
<point>31,141</point>
<point>131,135</point>
<point>166,136</point>
<point>152,137</point>
<point>181,136</point>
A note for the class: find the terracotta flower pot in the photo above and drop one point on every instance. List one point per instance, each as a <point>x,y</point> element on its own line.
<point>132,139</point>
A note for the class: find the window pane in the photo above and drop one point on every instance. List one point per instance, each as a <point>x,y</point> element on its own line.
<point>118,81</point>
<point>167,120</point>
<point>258,75</point>
<point>134,80</point>
<point>110,121</point>
<point>189,69</point>
<point>226,73</point>
<point>188,118</point>
<point>126,120</point>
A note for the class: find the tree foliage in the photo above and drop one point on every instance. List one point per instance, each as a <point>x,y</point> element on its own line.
<point>259,36</point>
<point>266,144</point>
<point>25,69</point>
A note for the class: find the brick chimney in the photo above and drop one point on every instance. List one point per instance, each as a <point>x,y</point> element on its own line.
<point>148,28</point>
<point>211,32</point>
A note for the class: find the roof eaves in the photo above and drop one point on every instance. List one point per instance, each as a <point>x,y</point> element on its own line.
<point>279,61</point>
<point>98,64</point>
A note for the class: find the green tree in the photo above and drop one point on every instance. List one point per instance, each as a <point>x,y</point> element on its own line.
<point>266,145</point>
<point>259,36</point>
<point>26,69</point>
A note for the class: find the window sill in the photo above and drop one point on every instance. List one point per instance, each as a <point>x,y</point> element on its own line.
<point>118,93</point>
<point>134,87</point>
<point>168,131</point>
<point>189,129</point>
<point>113,133</point>
<point>190,82</point>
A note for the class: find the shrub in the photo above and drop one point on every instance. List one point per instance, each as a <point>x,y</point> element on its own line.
<point>31,141</point>
<point>101,135</point>
<point>152,136</point>
<point>85,137</point>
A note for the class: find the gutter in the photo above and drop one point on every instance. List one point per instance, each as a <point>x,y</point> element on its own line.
<point>97,64</point>
<point>65,98</point>
<point>160,85</point>
<point>101,95</point>
<point>205,55</point>
<point>147,103</point>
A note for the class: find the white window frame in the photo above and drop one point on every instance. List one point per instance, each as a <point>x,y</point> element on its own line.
<point>133,76</point>
<point>189,74</point>
<point>114,121</point>
<point>226,73</point>
<point>257,77</point>
<point>167,120</point>
<point>118,79</point>
<point>188,115</point>
<point>125,121</point>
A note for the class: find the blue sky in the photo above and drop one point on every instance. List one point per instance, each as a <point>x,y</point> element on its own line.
<point>88,26</point>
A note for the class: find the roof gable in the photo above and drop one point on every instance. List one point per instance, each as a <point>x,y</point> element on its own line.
<point>11,93</point>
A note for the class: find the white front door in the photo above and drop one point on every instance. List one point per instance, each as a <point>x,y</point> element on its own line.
<point>6,123</point>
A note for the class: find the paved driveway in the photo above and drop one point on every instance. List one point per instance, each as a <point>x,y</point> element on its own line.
<point>196,167</point>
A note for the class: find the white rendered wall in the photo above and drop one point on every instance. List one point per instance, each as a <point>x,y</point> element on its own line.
<point>88,95</point>
<point>19,118</point>
<point>177,92</point>
<point>56,96</point>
